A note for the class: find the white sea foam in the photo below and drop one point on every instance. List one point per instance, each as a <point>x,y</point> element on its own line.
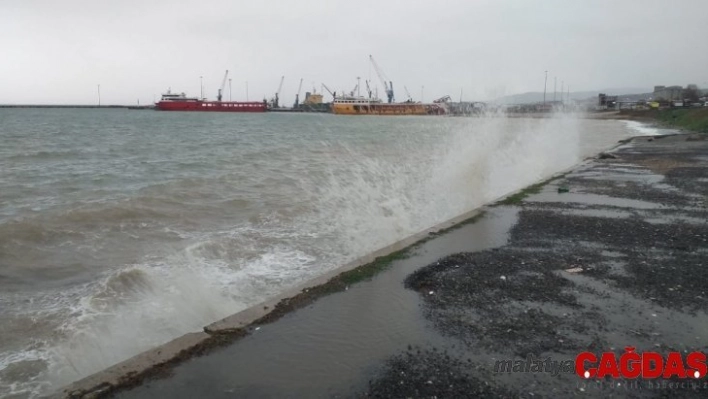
<point>643,129</point>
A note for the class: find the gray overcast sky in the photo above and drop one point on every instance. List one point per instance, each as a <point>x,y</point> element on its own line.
<point>55,51</point>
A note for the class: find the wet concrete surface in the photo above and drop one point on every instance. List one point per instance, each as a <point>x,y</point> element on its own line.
<point>333,347</point>
<point>436,322</point>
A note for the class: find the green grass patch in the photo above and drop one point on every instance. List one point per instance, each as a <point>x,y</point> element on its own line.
<point>693,119</point>
<point>336,284</point>
<point>517,198</point>
<point>369,270</point>
<point>465,222</point>
<point>473,219</point>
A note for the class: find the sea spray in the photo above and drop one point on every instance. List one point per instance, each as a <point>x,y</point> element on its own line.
<point>643,129</point>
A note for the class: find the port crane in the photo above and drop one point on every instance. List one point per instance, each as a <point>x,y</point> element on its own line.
<point>277,93</point>
<point>221,89</point>
<point>410,98</point>
<point>334,94</point>
<point>297,96</point>
<point>356,88</point>
<point>388,87</point>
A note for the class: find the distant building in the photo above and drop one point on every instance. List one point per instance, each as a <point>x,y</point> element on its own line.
<point>606,102</point>
<point>312,98</point>
<point>669,93</point>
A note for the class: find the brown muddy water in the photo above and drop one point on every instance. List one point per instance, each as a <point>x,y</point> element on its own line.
<point>121,230</point>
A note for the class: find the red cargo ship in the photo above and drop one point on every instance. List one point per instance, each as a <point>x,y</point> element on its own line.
<point>180,102</point>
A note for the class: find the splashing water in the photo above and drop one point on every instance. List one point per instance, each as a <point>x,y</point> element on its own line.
<point>642,129</point>
<point>121,243</point>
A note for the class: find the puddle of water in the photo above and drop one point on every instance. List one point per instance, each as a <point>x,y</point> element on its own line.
<point>612,254</point>
<point>333,345</point>
<point>671,219</point>
<point>627,166</point>
<point>620,173</point>
<point>666,187</point>
<point>631,315</point>
<point>617,267</point>
<point>637,178</point>
<point>598,213</point>
<point>601,171</point>
<point>550,195</point>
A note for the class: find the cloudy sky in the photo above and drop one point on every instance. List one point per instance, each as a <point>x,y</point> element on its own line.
<point>59,51</point>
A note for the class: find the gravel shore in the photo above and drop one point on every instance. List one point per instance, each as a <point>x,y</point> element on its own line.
<point>613,254</point>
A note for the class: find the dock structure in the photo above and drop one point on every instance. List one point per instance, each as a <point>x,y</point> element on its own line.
<point>69,106</point>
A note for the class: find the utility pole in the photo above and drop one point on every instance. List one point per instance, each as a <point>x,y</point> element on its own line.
<point>99,95</point>
<point>544,89</point>
<point>562,90</point>
<point>229,89</point>
<point>201,87</point>
<point>555,82</point>
<point>246,90</point>
<point>460,94</point>
<point>568,93</point>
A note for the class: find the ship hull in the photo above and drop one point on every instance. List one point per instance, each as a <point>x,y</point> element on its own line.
<point>387,109</point>
<point>211,106</point>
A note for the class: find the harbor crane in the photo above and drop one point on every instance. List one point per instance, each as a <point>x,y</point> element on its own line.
<point>410,98</point>
<point>221,89</point>
<point>297,96</point>
<point>334,94</point>
<point>277,93</point>
<point>387,86</point>
<point>356,88</point>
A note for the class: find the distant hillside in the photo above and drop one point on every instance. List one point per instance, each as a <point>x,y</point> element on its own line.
<point>534,97</point>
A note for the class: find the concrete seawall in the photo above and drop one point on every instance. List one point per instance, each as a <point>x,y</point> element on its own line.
<point>236,325</point>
